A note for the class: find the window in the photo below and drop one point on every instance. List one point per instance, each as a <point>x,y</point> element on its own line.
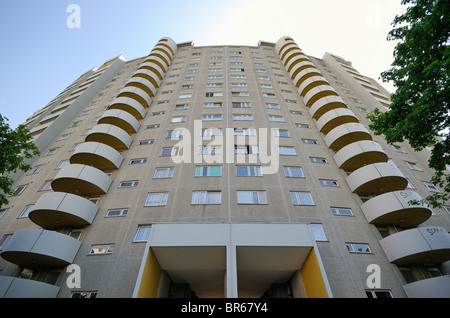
<point>358,248</point>
<point>18,190</point>
<point>63,137</point>
<point>152,126</point>
<point>413,166</point>
<point>397,148</point>
<point>431,187</point>
<point>341,211</point>
<point>241,105</point>
<point>211,117</point>
<point>182,106</point>
<point>301,198</point>
<point>251,197</point>
<point>302,125</point>
<point>248,171</point>
<point>156,199</point>
<point>116,212</point>
<point>87,294</point>
<point>208,171</point>
<point>36,169</point>
<point>209,150</point>
<point>242,117</point>
<point>75,124</point>
<point>163,173</point>
<point>239,94</point>
<point>276,118</point>
<point>2,212</point>
<point>309,141</point>
<point>287,151</point>
<point>174,134</point>
<point>142,233</point>
<point>293,172</point>
<point>281,133</point>
<point>47,185</point>
<point>318,160</point>
<point>4,240</point>
<point>244,132</point>
<point>101,249</point>
<point>318,232</point>
<point>127,184</point>
<point>138,161</point>
<point>50,152</point>
<point>26,211</point>
<point>378,294</point>
<point>206,197</point>
<point>209,132</point>
<point>178,119</point>
<point>62,164</point>
<point>212,105</point>
<point>146,142</point>
<point>214,94</point>
<point>330,183</point>
<point>249,149</point>
<point>268,95</point>
<point>296,112</point>
<point>168,152</point>
<point>272,106</point>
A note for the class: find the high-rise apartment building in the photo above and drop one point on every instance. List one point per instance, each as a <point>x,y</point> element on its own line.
<point>221,171</point>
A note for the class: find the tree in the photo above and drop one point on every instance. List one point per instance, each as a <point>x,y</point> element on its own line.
<point>420,110</point>
<point>15,147</point>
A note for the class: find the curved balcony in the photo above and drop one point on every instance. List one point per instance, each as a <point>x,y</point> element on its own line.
<point>286,48</point>
<point>334,118</point>
<point>98,155</point>
<point>129,105</point>
<point>428,244</point>
<point>81,180</point>
<point>377,178</point>
<point>293,58</point>
<point>168,52</point>
<point>138,94</point>
<point>282,42</point>
<point>168,45</point>
<point>121,119</point>
<point>317,93</point>
<point>436,287</point>
<point>153,58</point>
<point>304,75</point>
<point>151,77</point>
<point>14,287</point>
<point>325,104</point>
<point>57,209</point>
<point>359,154</point>
<point>311,83</point>
<point>300,66</point>
<point>143,84</point>
<point>393,208</point>
<point>346,134</point>
<point>110,135</point>
<point>154,68</point>
<point>34,248</point>
<point>162,54</point>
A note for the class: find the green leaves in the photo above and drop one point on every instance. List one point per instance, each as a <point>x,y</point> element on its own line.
<point>420,72</point>
<point>15,147</point>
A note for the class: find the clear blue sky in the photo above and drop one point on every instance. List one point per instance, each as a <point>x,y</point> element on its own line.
<point>41,55</point>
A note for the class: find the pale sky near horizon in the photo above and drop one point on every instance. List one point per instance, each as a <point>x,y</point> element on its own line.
<point>41,55</point>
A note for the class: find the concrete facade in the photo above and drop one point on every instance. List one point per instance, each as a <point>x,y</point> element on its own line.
<point>154,217</point>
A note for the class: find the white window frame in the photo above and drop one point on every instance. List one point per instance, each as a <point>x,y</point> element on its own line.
<point>160,196</point>
<point>206,197</point>
<point>256,197</point>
